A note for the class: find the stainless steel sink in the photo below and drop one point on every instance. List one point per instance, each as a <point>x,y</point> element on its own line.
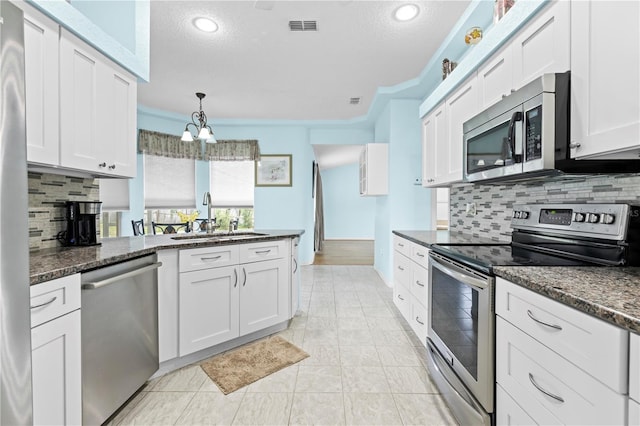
<point>219,236</point>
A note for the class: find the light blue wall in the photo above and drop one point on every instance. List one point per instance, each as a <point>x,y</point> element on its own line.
<point>117,18</point>
<point>347,214</point>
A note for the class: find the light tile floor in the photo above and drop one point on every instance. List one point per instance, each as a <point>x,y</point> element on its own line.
<point>366,368</point>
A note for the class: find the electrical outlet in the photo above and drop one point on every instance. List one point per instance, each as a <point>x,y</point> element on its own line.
<point>471,209</point>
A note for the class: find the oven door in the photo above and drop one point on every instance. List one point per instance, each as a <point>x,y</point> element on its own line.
<point>493,149</point>
<point>462,325</point>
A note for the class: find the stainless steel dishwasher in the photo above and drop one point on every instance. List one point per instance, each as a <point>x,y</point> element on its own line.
<point>119,334</point>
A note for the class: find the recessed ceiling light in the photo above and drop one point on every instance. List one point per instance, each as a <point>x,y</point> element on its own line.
<point>206,25</point>
<point>406,12</point>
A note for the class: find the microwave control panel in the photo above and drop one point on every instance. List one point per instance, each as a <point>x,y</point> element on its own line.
<point>533,134</point>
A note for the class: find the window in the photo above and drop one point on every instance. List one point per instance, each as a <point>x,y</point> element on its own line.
<point>114,194</point>
<point>231,185</point>
<point>442,208</point>
<point>169,183</point>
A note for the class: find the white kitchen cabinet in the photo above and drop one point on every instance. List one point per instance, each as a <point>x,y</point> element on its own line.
<point>209,306</point>
<point>402,299</point>
<point>634,413</point>
<point>41,86</point>
<point>374,169</point>
<point>434,152</point>
<point>605,112</point>
<point>295,276</point>
<point>495,77</point>
<point>97,112</point>
<point>264,294</point>
<point>561,365</point>
<point>634,379</point>
<point>56,352</point>
<point>168,301</point>
<point>508,412</point>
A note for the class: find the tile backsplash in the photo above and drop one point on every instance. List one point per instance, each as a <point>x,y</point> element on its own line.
<point>494,203</point>
<point>47,194</point>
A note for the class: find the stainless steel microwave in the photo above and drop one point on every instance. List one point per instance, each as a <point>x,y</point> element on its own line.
<point>526,135</point>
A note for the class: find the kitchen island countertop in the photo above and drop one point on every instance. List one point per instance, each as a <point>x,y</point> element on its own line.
<point>49,264</point>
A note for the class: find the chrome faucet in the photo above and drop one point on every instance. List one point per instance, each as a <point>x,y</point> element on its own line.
<point>206,201</point>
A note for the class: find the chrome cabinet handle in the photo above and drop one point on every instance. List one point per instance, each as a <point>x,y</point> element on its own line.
<point>118,278</point>
<point>263,251</point>
<point>295,262</point>
<point>235,274</point>
<point>400,297</point>
<point>204,259</point>
<point>112,167</point>
<point>244,282</point>
<point>48,302</point>
<point>419,283</point>
<point>400,245</point>
<point>419,254</point>
<point>102,165</point>
<point>549,394</point>
<point>401,268</point>
<point>573,145</point>
<point>554,326</point>
<point>418,321</point>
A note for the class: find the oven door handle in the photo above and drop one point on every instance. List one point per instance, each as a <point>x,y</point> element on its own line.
<point>458,273</point>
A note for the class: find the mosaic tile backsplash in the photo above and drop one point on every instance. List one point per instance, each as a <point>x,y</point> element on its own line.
<point>494,203</point>
<point>47,194</point>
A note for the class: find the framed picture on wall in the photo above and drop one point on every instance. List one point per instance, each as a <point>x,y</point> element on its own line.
<point>274,170</point>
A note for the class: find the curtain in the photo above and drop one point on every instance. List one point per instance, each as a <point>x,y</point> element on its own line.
<point>231,183</point>
<point>318,231</point>
<point>114,194</point>
<point>232,150</point>
<point>169,183</point>
<point>164,145</point>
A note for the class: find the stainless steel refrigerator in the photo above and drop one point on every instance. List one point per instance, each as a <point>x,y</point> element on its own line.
<point>15,324</point>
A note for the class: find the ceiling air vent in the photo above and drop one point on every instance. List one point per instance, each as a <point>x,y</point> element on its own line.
<point>303,25</point>
<point>354,101</point>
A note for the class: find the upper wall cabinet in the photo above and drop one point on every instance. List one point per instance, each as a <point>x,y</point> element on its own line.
<point>374,169</point>
<point>605,82</point>
<point>41,76</point>
<point>97,111</point>
<point>434,155</point>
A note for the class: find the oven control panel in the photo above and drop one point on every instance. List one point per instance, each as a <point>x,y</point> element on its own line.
<point>599,220</point>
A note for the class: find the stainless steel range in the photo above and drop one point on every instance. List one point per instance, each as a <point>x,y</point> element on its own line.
<point>461,331</point>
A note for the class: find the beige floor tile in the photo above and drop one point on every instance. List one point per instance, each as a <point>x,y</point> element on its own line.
<point>264,409</point>
<point>354,337</point>
<point>371,409</point>
<point>350,312</point>
<point>321,323</point>
<point>383,324</point>
<point>319,379</point>
<point>423,410</point>
<point>126,409</point>
<point>352,324</point>
<point>409,380</point>
<point>280,381</point>
<point>321,355</point>
<point>320,337</point>
<point>364,380</point>
<point>390,338</point>
<point>359,356</point>
<point>317,409</point>
<point>208,408</point>
<point>295,336</point>
<point>187,379</point>
<point>158,408</point>
<point>398,356</point>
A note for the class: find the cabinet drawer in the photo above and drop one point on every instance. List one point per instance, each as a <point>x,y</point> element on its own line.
<point>420,277</point>
<point>402,299</point>
<point>420,255</point>
<point>508,412</point>
<point>402,270</point>
<point>402,245</point>
<point>592,344</point>
<point>208,257</point>
<point>527,369</point>
<point>634,413</point>
<point>268,250</point>
<point>418,321</point>
<point>634,367</point>
<point>54,298</point>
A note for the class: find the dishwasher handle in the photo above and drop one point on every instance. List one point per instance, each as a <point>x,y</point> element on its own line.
<point>116,278</point>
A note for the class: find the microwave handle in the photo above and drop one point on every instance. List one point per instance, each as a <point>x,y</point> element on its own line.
<point>515,117</point>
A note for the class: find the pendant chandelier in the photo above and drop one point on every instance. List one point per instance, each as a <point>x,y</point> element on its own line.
<point>199,124</point>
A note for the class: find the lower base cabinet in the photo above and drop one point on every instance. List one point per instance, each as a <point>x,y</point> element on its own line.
<point>508,411</point>
<point>56,356</point>
<point>264,295</point>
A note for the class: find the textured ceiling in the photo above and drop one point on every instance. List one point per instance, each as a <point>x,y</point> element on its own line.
<point>255,68</point>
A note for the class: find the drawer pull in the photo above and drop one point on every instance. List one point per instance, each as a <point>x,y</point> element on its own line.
<point>400,297</point>
<point>554,326</point>
<point>244,282</point>
<point>418,321</point>
<point>419,254</point>
<point>235,274</point>
<point>204,259</point>
<point>549,394</point>
<point>419,283</point>
<point>48,302</point>
<point>263,251</point>
<point>400,245</point>
<point>401,268</point>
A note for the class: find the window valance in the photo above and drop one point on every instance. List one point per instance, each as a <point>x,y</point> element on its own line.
<point>232,150</point>
<point>164,145</point>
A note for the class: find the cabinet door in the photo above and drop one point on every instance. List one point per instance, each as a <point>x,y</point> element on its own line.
<point>295,277</point>
<point>495,77</point>
<point>41,87</point>
<point>264,294</point>
<point>56,374</point>
<point>79,129</point>
<point>118,96</point>
<point>418,320</point>
<point>434,140</point>
<point>605,65</point>
<point>543,46</point>
<point>402,300</point>
<point>209,301</point>
<point>168,299</point>
<point>508,412</point>
<point>461,106</point>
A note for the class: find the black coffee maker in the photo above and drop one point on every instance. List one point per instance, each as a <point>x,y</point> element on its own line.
<point>81,223</point>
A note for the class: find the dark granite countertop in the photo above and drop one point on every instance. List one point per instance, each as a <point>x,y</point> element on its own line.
<point>49,264</point>
<point>609,293</point>
<point>429,238</point>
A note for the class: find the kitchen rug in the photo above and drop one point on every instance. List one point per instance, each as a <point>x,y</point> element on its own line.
<point>244,365</point>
